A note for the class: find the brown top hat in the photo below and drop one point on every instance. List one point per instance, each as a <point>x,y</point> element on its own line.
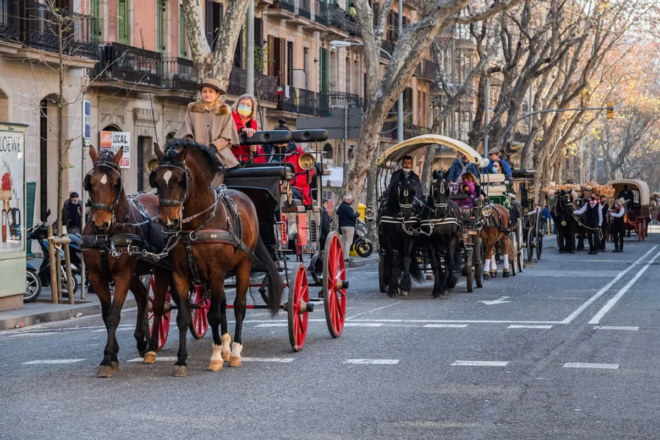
<point>212,83</point>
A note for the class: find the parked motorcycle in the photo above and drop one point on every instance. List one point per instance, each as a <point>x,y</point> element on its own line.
<point>39,233</point>
<point>361,244</point>
<point>33,287</point>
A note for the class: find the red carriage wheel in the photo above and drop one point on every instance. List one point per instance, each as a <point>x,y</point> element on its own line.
<point>334,285</point>
<point>297,308</point>
<point>200,320</point>
<point>164,327</point>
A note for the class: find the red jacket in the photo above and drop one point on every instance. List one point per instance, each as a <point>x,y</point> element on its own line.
<point>242,152</point>
<point>293,153</point>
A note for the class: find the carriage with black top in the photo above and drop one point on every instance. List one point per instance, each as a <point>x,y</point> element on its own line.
<point>533,224</point>
<point>421,227</point>
<point>290,229</point>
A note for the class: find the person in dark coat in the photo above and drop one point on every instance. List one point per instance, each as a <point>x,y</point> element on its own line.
<point>347,217</point>
<point>604,227</point>
<point>618,224</point>
<point>412,177</point>
<point>629,196</point>
<point>325,224</point>
<point>72,213</point>
<point>593,219</point>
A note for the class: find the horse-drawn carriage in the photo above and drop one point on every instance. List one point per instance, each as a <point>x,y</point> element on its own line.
<point>638,210</point>
<point>434,232</point>
<point>533,225</point>
<point>232,235</point>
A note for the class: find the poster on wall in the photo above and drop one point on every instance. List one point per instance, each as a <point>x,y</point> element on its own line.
<point>12,184</point>
<point>114,140</point>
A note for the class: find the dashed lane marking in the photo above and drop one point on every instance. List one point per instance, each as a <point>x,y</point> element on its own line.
<point>530,326</point>
<point>372,361</point>
<point>274,324</point>
<point>615,327</point>
<point>19,335</point>
<point>53,361</point>
<point>591,365</point>
<point>363,324</point>
<point>158,359</point>
<point>612,302</point>
<point>276,360</point>
<point>480,364</point>
<point>445,325</point>
<point>373,310</point>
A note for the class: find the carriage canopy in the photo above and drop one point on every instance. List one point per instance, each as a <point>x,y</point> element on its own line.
<point>394,154</point>
<point>639,185</point>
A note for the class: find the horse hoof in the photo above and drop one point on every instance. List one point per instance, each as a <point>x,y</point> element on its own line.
<point>506,274</point>
<point>486,276</point>
<point>235,361</point>
<point>141,353</point>
<point>403,292</point>
<point>216,365</point>
<point>226,355</point>
<point>105,371</point>
<point>180,371</point>
<point>149,358</point>
<point>493,274</point>
<point>115,366</point>
<point>571,252</point>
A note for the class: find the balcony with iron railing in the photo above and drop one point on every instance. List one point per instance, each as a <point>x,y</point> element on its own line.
<point>129,64</point>
<point>305,9</point>
<point>329,101</point>
<point>299,101</point>
<point>40,24</point>
<point>322,14</point>
<point>179,74</point>
<point>10,23</point>
<point>287,5</point>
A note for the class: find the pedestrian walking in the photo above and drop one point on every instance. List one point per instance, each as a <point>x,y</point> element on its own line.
<point>618,224</point>
<point>72,213</point>
<point>593,219</point>
<point>325,224</point>
<point>604,227</point>
<point>347,217</point>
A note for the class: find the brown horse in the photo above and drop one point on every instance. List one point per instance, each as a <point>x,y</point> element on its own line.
<point>497,230</point>
<point>108,203</point>
<point>212,241</point>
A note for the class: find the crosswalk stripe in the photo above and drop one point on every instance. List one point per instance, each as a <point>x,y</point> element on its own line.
<point>372,361</point>
<point>480,364</point>
<point>53,361</point>
<point>591,365</point>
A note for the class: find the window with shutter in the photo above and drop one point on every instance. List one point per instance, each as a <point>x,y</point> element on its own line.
<point>122,19</point>
<point>160,26</point>
<point>182,32</point>
<point>209,22</point>
<point>271,60</point>
<point>95,29</point>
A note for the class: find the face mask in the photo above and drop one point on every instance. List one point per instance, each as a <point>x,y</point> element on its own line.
<point>407,170</point>
<point>244,110</point>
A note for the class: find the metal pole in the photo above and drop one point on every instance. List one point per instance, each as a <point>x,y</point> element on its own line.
<point>345,144</point>
<point>83,220</point>
<point>486,115</point>
<point>250,49</point>
<point>53,265</point>
<point>399,129</point>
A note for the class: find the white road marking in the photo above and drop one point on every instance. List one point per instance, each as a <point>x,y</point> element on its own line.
<point>445,325</point>
<point>606,308</point>
<point>274,324</point>
<point>530,326</point>
<point>496,301</point>
<point>614,327</point>
<point>453,321</point>
<point>480,364</point>
<point>591,365</point>
<point>373,310</point>
<point>32,334</point>
<point>602,291</point>
<point>363,324</point>
<point>158,359</point>
<point>372,361</point>
<point>53,361</point>
<point>277,360</point>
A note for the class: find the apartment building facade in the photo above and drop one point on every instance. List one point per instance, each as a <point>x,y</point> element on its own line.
<point>131,61</point>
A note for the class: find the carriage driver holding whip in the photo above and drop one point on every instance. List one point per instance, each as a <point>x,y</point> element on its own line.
<point>209,122</point>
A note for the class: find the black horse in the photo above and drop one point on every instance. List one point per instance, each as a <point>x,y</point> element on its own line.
<point>397,231</point>
<point>562,215</point>
<point>441,228</point>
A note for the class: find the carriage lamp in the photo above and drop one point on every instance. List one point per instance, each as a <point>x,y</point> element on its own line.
<point>486,211</point>
<point>307,161</point>
<point>152,164</point>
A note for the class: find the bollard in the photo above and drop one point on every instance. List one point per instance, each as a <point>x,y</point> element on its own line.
<point>56,244</point>
<point>53,269</point>
<point>67,262</point>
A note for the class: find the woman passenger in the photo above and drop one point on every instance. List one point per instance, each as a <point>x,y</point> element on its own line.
<point>244,112</point>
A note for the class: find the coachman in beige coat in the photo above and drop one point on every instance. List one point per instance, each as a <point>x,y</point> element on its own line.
<point>214,126</point>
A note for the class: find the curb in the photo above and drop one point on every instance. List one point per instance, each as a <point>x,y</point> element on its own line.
<point>56,315</point>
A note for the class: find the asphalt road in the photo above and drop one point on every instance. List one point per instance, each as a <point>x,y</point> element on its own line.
<point>566,350</point>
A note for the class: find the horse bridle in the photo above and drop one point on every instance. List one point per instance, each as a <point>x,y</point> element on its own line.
<point>405,194</point>
<point>181,166</point>
<point>113,167</point>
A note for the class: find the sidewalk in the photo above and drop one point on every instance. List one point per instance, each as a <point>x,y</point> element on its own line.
<point>43,310</point>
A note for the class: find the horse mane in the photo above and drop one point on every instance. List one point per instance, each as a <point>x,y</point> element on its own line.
<point>174,147</point>
<point>393,196</point>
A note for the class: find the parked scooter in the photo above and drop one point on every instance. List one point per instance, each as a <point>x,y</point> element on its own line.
<point>39,233</point>
<point>33,287</point>
<point>361,244</point>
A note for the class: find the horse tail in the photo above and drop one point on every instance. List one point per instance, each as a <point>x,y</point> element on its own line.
<point>275,284</point>
<point>416,272</point>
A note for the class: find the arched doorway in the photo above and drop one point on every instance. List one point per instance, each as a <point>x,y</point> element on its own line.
<point>47,148</point>
<point>4,107</point>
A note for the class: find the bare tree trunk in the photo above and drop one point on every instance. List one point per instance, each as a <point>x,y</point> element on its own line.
<point>60,152</point>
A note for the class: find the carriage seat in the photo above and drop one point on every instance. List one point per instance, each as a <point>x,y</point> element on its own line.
<point>497,190</point>
<point>493,178</point>
<point>458,196</point>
